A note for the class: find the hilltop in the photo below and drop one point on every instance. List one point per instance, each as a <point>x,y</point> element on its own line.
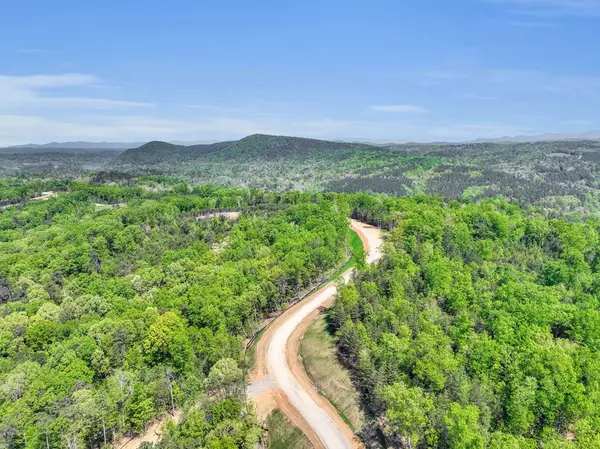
<point>263,161</point>
<point>158,152</point>
<point>261,145</point>
<point>254,146</point>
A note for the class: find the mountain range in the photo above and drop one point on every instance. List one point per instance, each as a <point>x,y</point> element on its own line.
<point>89,146</point>
<point>79,145</point>
<point>85,145</point>
<point>548,137</point>
<point>548,172</point>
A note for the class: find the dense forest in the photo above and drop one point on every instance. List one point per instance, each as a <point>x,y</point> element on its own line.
<point>114,316</point>
<point>478,329</point>
<point>53,163</point>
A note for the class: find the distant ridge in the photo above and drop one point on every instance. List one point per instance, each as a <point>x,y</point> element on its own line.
<point>256,146</point>
<point>80,145</point>
<point>548,137</point>
<point>85,145</point>
<point>157,152</point>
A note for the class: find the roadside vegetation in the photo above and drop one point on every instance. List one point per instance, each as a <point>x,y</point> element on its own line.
<point>283,434</point>
<point>319,357</point>
<point>356,257</point>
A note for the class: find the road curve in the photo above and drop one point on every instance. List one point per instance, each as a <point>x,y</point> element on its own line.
<point>323,421</point>
<point>275,384</point>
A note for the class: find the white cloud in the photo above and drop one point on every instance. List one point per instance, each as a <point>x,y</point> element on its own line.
<point>443,75</point>
<point>29,93</point>
<point>44,108</point>
<point>49,81</point>
<point>400,108</point>
<point>537,81</point>
<point>16,129</point>
<point>578,123</point>
<point>212,108</point>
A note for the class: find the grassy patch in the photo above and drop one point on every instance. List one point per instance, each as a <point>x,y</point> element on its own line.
<point>333,382</point>
<point>283,434</point>
<point>357,248</point>
<point>358,254</point>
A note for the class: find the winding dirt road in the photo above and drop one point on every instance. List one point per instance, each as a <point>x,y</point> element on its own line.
<point>279,380</point>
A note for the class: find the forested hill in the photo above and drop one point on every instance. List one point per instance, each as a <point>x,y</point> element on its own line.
<point>558,175</point>
<point>158,152</point>
<point>269,162</point>
<point>254,146</point>
<point>562,176</point>
<point>260,145</point>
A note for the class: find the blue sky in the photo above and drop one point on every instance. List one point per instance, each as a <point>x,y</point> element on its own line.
<point>384,70</point>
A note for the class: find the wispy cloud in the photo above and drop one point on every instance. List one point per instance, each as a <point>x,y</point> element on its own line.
<point>16,128</point>
<point>532,24</point>
<point>496,82</point>
<point>30,51</point>
<point>49,81</point>
<point>477,97</point>
<point>578,123</point>
<point>443,74</point>
<point>26,93</point>
<point>534,80</point>
<point>89,103</point>
<point>553,8</point>
<point>399,108</point>
<point>213,108</point>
